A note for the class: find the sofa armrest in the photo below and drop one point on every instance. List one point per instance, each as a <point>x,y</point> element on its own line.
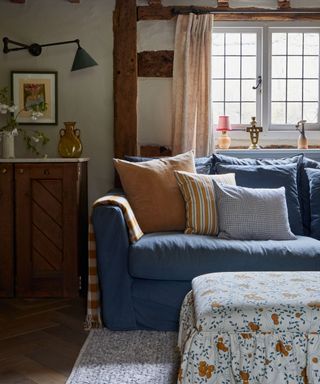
<point>112,249</point>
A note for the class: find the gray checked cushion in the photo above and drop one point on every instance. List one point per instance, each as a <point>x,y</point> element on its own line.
<point>252,213</point>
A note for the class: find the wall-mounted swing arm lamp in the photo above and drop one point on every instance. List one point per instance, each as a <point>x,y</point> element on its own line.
<point>81,60</point>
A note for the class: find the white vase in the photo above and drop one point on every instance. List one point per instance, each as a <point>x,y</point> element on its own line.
<point>7,146</point>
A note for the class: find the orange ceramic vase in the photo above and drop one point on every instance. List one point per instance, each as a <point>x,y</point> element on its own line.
<point>70,144</point>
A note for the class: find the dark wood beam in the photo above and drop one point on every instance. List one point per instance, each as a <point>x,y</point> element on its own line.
<point>155,63</point>
<point>18,1</point>
<point>283,4</point>
<point>230,14</point>
<point>125,78</point>
<point>154,13</point>
<point>223,3</point>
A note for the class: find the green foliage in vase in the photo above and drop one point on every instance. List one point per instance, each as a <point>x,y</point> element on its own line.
<point>34,138</point>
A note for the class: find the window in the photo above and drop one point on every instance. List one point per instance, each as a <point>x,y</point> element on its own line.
<point>289,69</point>
<point>294,77</point>
<point>235,66</point>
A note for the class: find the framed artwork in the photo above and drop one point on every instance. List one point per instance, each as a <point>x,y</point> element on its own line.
<point>35,95</point>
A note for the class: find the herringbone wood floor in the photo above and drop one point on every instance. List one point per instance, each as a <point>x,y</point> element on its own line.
<point>39,339</point>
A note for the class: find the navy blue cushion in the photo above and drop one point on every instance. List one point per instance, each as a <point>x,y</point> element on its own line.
<point>314,184</point>
<point>271,176</point>
<point>304,191</point>
<point>176,256</point>
<point>203,164</point>
<point>217,158</point>
<point>138,159</point>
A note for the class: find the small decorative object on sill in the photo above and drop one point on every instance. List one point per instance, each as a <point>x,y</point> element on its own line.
<point>12,129</point>
<point>302,139</point>
<point>70,144</point>
<point>224,126</point>
<point>254,134</point>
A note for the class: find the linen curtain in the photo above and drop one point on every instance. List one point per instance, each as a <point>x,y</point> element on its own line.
<point>192,127</point>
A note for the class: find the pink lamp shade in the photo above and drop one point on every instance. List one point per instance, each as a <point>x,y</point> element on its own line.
<point>224,124</point>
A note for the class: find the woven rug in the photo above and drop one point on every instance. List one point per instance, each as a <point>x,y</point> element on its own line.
<point>134,357</point>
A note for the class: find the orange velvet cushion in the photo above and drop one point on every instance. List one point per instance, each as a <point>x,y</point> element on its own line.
<point>153,192</point>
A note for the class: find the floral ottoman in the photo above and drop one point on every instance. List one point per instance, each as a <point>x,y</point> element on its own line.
<point>250,328</point>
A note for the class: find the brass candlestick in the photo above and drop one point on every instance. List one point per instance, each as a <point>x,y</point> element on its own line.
<point>254,134</point>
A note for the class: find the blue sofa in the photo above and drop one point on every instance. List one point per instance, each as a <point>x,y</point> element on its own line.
<point>143,284</point>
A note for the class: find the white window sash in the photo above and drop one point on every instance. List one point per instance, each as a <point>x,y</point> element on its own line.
<point>264,30</point>
<point>267,96</point>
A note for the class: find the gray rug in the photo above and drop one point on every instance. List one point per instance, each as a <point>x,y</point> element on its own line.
<point>135,357</point>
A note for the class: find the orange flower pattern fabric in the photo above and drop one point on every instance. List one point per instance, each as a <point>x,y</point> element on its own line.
<point>251,328</point>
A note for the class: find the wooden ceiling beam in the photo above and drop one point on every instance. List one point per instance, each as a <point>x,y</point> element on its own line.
<point>23,1</point>
<point>230,14</point>
<point>283,4</point>
<point>223,3</point>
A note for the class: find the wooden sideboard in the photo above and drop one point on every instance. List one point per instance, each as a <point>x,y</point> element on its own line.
<point>43,227</point>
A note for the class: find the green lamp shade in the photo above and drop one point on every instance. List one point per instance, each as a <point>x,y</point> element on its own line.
<point>82,60</point>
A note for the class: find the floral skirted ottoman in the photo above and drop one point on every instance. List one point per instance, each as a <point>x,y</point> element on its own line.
<point>251,328</point>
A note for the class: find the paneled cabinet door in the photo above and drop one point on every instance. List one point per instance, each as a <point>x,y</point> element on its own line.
<point>46,230</point>
<point>6,230</point>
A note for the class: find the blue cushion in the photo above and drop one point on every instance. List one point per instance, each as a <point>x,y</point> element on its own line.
<point>304,192</point>
<point>203,164</point>
<point>217,158</point>
<point>252,213</point>
<point>314,183</point>
<point>271,176</point>
<point>176,256</point>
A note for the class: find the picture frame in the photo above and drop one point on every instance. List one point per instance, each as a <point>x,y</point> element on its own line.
<point>34,92</point>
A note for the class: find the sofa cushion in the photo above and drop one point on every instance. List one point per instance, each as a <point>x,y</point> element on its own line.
<point>153,192</point>
<point>252,213</point>
<point>314,183</point>
<point>304,191</point>
<point>271,176</point>
<point>198,193</point>
<point>203,164</point>
<point>217,158</point>
<point>176,256</point>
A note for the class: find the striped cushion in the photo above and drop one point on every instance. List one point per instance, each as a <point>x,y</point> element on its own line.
<point>198,194</point>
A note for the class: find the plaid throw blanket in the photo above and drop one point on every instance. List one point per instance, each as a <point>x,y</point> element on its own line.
<point>93,319</point>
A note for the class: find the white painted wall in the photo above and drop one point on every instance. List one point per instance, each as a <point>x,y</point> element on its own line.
<point>85,96</point>
<point>159,35</point>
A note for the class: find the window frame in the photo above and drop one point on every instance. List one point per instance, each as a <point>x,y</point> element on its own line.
<point>258,31</point>
<point>267,97</point>
<point>264,37</point>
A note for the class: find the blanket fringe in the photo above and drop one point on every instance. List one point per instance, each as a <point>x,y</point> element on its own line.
<point>92,322</point>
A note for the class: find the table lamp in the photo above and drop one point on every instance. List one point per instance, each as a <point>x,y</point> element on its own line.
<point>224,126</point>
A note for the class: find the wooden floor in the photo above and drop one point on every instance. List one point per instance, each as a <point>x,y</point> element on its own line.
<point>39,339</point>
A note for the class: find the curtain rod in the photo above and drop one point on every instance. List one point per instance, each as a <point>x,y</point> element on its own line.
<point>246,11</point>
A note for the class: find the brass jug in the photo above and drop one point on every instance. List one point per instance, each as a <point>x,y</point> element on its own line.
<point>70,144</point>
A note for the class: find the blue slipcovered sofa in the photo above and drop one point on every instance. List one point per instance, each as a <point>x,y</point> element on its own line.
<point>143,284</point>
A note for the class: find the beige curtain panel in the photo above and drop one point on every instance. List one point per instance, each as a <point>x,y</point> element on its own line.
<point>192,126</point>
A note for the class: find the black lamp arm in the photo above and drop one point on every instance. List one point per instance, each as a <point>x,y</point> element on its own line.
<point>34,49</point>
<point>6,49</point>
<point>77,41</point>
